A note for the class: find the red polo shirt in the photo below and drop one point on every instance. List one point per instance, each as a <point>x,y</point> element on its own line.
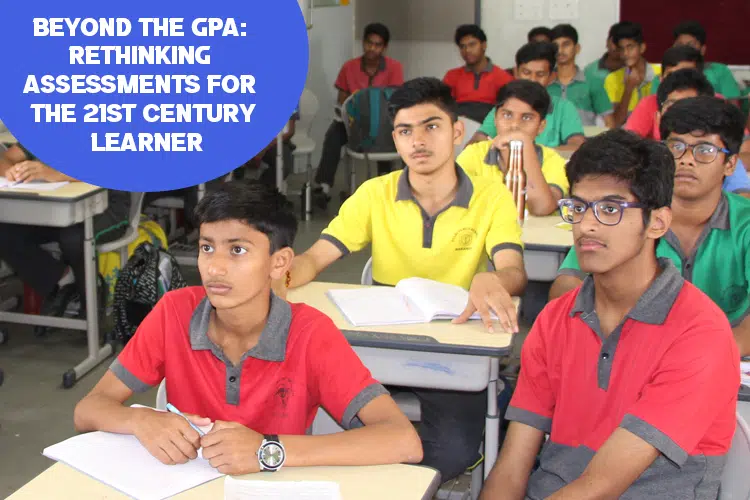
<point>642,120</point>
<point>301,362</point>
<point>467,86</point>
<point>669,374</point>
<point>353,76</point>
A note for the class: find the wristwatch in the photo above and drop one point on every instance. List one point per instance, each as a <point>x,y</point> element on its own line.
<point>271,454</point>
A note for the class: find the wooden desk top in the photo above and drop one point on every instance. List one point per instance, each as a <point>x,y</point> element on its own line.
<point>7,138</point>
<point>69,192</point>
<point>541,233</point>
<point>405,482</point>
<point>438,336</point>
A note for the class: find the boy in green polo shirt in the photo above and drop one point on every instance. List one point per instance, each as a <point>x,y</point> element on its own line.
<point>627,86</point>
<point>693,34</point>
<point>536,62</point>
<point>570,82</point>
<point>709,238</point>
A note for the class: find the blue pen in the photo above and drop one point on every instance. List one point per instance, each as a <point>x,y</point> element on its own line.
<point>172,409</point>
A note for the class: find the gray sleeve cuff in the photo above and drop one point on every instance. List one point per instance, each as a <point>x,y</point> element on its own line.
<point>331,239</point>
<point>569,271</point>
<point>350,419</point>
<point>571,136</point>
<point>655,438</point>
<point>505,246</point>
<point>529,418</point>
<point>127,378</point>
<point>739,319</point>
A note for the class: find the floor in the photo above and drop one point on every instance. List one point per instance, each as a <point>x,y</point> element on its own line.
<point>35,411</point>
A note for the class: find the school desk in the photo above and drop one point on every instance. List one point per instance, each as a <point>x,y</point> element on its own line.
<point>545,246</point>
<point>7,138</point>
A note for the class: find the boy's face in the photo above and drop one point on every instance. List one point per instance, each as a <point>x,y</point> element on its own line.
<point>425,138</point>
<point>472,50</point>
<point>690,41</point>
<point>567,50</point>
<point>535,71</point>
<point>694,180</point>
<point>235,263</point>
<point>515,115</point>
<point>630,51</point>
<point>373,46</point>
<point>612,50</point>
<point>601,248</point>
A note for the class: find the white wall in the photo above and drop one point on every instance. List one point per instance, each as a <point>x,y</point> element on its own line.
<point>505,34</point>
<point>422,58</point>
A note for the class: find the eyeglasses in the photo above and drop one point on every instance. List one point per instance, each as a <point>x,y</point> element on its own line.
<point>608,212</point>
<point>703,152</point>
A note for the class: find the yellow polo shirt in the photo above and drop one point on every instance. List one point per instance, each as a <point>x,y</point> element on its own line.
<point>473,159</point>
<point>614,84</point>
<point>450,247</point>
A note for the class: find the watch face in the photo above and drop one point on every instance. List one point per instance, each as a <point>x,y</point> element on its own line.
<point>272,455</point>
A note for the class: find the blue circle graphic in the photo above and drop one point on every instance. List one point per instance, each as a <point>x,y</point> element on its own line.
<point>206,85</point>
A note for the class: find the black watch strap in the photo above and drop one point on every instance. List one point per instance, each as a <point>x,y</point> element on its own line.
<point>271,437</point>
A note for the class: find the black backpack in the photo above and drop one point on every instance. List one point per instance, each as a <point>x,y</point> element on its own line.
<point>149,273</point>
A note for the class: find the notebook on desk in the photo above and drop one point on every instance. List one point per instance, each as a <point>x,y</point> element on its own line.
<point>34,185</point>
<point>412,300</point>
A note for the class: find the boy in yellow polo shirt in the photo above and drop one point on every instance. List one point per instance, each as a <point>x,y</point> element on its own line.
<point>434,221</point>
<point>627,86</point>
<point>521,108</point>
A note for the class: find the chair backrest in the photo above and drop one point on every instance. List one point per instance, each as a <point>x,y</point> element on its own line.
<point>367,273</point>
<point>161,396</point>
<point>308,109</point>
<point>470,127</point>
<point>131,234</point>
<point>735,480</point>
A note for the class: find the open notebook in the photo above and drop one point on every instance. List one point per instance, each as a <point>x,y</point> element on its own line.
<point>412,300</point>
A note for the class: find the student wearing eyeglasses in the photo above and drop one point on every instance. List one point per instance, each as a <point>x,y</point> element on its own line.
<point>709,238</point>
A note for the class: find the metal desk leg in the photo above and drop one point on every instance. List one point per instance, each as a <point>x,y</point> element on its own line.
<point>308,188</point>
<point>96,354</point>
<point>492,422</point>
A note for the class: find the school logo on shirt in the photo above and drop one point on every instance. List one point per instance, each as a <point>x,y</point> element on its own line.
<point>733,297</point>
<point>464,238</point>
<point>282,396</point>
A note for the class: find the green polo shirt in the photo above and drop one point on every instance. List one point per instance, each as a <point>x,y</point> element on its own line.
<point>563,122</point>
<point>584,97</point>
<point>720,263</point>
<point>596,72</point>
<point>720,77</point>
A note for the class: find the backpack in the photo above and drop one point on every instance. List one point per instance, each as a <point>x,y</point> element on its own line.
<point>147,276</point>
<point>370,126</point>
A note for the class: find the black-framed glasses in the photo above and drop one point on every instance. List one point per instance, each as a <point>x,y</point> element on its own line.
<point>703,152</point>
<point>608,212</point>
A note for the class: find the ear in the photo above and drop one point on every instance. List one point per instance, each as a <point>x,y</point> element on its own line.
<point>643,48</point>
<point>730,165</point>
<point>515,72</point>
<point>458,132</point>
<point>542,126</point>
<point>578,48</point>
<point>484,46</point>
<point>657,120</point>
<point>281,262</point>
<point>703,51</point>
<point>658,226</point>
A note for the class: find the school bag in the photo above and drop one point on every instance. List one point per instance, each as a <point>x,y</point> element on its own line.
<point>146,277</point>
<point>370,126</point>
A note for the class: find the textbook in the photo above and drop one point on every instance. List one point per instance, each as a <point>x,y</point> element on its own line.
<point>412,300</point>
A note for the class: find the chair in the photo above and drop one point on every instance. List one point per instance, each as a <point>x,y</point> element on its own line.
<point>367,273</point>
<point>470,127</point>
<point>304,144</point>
<point>354,155</point>
<point>735,480</point>
<point>161,395</point>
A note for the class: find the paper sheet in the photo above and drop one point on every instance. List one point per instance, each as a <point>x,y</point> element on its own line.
<point>34,185</point>
<point>564,225</point>
<point>238,489</point>
<point>745,373</point>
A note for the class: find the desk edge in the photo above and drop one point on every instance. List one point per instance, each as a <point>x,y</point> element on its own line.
<point>356,340</point>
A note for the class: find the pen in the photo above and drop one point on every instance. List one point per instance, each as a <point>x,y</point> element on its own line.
<point>172,409</point>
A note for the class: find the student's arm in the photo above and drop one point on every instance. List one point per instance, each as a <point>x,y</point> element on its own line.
<point>571,126</point>
<point>671,416</point>
<point>343,96</point>
<point>609,120</point>
<point>510,474</point>
<point>742,336</point>
<point>601,104</point>
<point>139,366</point>
<point>306,267</point>
<point>569,276</point>
<point>12,156</point>
<point>33,170</point>
<point>641,120</point>
<point>621,103</point>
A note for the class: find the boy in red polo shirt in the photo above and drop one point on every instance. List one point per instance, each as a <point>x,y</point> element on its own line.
<point>634,374</point>
<point>475,85</point>
<point>235,355</point>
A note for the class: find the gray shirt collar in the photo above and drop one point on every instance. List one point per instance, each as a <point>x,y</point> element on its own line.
<point>580,76</point>
<point>272,343</point>
<point>488,69</point>
<point>654,305</point>
<point>463,194</point>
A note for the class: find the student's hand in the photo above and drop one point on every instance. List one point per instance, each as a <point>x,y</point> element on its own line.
<point>634,77</point>
<point>488,294</point>
<point>502,141</point>
<point>167,436</point>
<point>232,448</point>
<point>32,170</point>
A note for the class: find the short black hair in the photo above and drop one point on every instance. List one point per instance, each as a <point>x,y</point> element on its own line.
<point>565,31</point>
<point>423,90</point>
<point>470,30</point>
<point>545,51</point>
<point>258,205</point>
<point>692,28</point>
<point>682,53</point>
<point>627,30</point>
<point>705,115</point>
<point>646,165</point>
<point>527,91</point>
<point>378,29</point>
<point>612,30</point>
<point>683,79</point>
<point>539,30</point>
